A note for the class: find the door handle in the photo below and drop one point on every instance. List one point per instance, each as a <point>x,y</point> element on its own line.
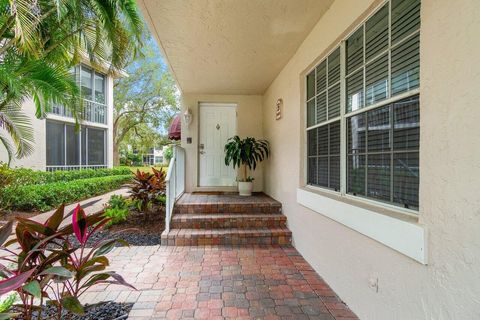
<point>202,152</point>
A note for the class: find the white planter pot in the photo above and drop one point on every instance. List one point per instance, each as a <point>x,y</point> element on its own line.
<point>245,188</point>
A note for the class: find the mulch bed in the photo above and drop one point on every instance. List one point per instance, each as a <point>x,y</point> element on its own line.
<point>140,229</point>
<point>100,311</point>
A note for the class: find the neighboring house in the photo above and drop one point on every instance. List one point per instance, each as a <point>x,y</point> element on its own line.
<point>375,151</point>
<point>58,146</point>
<point>153,157</point>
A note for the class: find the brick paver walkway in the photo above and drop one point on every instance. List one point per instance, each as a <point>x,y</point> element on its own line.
<point>220,283</point>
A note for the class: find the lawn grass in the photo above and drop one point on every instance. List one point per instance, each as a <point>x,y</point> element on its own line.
<point>147,168</point>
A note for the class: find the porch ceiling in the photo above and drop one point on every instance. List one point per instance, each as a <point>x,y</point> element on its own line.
<point>230,46</point>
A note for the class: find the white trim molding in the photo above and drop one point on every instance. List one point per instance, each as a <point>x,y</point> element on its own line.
<point>405,237</point>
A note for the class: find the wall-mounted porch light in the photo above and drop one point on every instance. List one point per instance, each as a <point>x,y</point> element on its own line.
<point>187,117</point>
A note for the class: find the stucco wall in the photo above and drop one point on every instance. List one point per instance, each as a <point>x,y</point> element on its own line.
<point>249,123</point>
<point>449,286</point>
<point>37,159</point>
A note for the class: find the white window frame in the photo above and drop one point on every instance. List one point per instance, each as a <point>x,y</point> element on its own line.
<point>93,71</point>
<point>344,115</point>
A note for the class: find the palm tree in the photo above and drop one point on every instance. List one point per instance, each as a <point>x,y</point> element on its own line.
<point>40,41</point>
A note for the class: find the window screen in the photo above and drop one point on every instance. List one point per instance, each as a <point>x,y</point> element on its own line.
<point>55,143</point>
<point>73,145</point>
<point>96,146</point>
<point>65,146</point>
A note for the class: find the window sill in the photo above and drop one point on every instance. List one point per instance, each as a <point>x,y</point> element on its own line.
<point>396,230</point>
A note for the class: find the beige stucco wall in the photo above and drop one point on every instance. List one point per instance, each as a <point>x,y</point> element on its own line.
<point>249,123</point>
<point>449,286</point>
<point>37,159</point>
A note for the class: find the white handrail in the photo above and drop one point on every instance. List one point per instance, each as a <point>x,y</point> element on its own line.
<point>175,182</point>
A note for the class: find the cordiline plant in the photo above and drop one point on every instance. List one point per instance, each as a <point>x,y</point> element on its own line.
<point>147,187</point>
<point>48,266</point>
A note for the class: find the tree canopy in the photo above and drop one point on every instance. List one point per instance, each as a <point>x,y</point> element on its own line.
<point>145,102</point>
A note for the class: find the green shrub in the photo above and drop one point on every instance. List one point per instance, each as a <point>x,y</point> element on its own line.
<point>7,301</point>
<point>117,210</point>
<point>161,199</point>
<point>23,177</point>
<point>9,176</point>
<point>117,201</point>
<point>117,215</point>
<point>43,197</point>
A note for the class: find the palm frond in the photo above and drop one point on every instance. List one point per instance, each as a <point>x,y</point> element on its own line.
<point>26,25</point>
<point>8,148</point>
<point>19,127</point>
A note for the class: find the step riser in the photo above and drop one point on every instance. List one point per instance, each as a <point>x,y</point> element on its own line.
<point>227,208</point>
<point>228,223</point>
<point>228,241</point>
<point>229,220</point>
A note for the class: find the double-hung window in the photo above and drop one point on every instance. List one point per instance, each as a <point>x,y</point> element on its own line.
<point>368,89</point>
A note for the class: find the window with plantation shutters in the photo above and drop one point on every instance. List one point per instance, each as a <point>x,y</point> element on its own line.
<point>369,87</point>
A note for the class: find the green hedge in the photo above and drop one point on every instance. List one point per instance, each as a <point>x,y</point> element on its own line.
<point>23,177</point>
<point>44,197</point>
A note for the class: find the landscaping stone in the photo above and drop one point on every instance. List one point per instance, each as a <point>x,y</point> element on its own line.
<point>131,237</point>
<point>101,311</point>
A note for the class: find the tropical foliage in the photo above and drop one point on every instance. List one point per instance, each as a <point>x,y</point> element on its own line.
<point>147,187</point>
<point>41,40</point>
<point>51,261</point>
<point>117,210</point>
<point>246,153</point>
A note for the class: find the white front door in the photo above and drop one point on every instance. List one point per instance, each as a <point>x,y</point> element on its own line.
<point>217,123</point>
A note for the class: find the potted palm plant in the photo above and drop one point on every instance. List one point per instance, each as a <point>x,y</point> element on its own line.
<point>245,154</point>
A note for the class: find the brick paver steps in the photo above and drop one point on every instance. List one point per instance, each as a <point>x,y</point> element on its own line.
<point>220,221</point>
<point>227,219</point>
<point>195,203</point>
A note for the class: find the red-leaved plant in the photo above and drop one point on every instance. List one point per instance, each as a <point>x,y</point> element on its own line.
<point>46,265</point>
<point>147,187</point>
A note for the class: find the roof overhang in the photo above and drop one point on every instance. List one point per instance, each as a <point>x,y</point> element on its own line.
<point>229,46</point>
<point>103,66</point>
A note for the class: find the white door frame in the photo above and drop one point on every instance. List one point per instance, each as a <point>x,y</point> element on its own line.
<point>215,104</point>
